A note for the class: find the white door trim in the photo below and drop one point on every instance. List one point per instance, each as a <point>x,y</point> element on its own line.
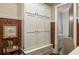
<point>75,25</point>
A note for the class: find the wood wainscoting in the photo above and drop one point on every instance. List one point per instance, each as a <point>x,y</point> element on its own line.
<point>77,33</point>
<point>6,21</point>
<point>53,34</point>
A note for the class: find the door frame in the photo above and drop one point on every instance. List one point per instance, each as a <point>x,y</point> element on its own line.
<point>74,28</point>
<point>75,24</point>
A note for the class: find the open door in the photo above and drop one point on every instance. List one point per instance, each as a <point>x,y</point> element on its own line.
<point>64,25</point>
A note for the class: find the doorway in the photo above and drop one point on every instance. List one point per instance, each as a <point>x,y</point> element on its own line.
<point>64,25</point>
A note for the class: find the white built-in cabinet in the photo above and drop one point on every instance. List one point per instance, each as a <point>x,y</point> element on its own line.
<point>37,19</point>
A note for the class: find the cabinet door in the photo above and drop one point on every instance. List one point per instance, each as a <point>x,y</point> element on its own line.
<point>29,23</point>
<point>40,39</point>
<point>43,31</point>
<point>43,24</point>
<point>40,24</point>
<point>47,10</point>
<point>29,41</point>
<point>44,10</point>
<point>30,7</point>
<point>47,38</point>
<point>47,24</point>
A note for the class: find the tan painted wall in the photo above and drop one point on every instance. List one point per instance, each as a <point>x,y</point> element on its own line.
<point>53,11</point>
<point>10,10</point>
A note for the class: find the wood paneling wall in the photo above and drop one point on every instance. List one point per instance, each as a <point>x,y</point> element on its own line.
<point>6,21</point>
<point>77,33</point>
<point>53,34</point>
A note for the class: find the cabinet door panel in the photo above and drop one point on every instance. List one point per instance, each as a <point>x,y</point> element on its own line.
<point>40,39</point>
<point>47,11</point>
<point>30,7</point>
<point>46,24</point>
<point>30,41</point>
<point>30,23</point>
<point>47,38</point>
<point>44,10</point>
<point>40,24</point>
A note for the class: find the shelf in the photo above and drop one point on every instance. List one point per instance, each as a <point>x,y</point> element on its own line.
<point>11,50</point>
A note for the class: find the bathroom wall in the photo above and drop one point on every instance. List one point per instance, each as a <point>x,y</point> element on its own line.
<point>10,10</point>
<point>53,11</point>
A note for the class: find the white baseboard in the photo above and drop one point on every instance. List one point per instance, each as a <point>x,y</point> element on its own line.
<point>45,50</point>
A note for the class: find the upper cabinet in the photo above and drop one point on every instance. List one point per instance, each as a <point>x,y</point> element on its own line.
<point>38,9</point>
<point>30,7</point>
<point>44,10</point>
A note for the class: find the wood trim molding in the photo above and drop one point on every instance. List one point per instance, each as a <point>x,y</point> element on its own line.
<point>53,34</point>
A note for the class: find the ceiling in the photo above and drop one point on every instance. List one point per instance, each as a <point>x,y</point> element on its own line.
<point>52,4</point>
